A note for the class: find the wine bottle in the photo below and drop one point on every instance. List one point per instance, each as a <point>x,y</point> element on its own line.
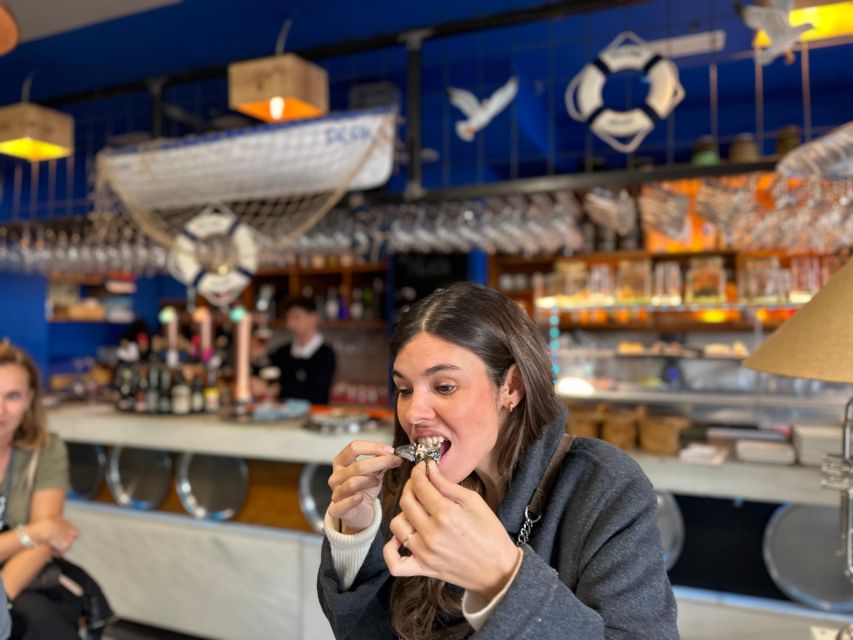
<point>180,395</point>
<point>164,404</point>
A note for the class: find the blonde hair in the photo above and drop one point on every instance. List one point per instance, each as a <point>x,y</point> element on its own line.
<point>32,432</point>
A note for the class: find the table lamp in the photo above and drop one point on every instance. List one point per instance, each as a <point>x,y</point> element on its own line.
<point>817,343</point>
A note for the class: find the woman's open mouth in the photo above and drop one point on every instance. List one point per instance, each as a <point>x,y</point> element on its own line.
<point>428,448</point>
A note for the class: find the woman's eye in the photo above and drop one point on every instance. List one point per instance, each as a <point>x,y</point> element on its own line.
<point>445,388</point>
<point>404,392</point>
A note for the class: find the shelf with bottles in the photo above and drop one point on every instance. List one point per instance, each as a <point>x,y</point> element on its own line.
<point>347,296</point>
<point>155,388</point>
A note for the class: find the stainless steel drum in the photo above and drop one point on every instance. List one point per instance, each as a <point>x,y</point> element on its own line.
<point>212,487</point>
<point>340,422</point>
<point>315,495</point>
<point>671,527</point>
<point>86,467</point>
<point>139,478</point>
<point>802,552</point>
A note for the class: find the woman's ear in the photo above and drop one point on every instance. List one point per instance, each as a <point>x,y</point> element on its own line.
<point>512,390</point>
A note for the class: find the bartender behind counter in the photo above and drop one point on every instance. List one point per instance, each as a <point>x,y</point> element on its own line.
<point>307,364</point>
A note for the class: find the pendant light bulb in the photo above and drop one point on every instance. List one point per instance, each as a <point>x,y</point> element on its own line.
<point>277,107</point>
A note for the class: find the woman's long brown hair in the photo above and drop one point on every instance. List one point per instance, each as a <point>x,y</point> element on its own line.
<point>501,334</point>
<point>32,432</point>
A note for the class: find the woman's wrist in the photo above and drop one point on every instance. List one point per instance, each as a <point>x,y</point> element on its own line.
<point>25,538</point>
<point>504,573</point>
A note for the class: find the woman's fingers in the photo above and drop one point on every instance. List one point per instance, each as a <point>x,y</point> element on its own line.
<point>357,448</point>
<point>338,510</point>
<point>414,509</point>
<point>368,466</point>
<point>354,485</point>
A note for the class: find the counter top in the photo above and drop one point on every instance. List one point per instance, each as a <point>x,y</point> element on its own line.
<point>285,440</point>
<point>288,441</point>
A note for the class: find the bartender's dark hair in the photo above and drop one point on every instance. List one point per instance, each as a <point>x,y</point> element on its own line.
<point>501,334</point>
<point>300,302</point>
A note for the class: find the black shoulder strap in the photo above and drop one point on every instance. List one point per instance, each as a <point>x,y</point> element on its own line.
<point>533,511</point>
<point>543,491</point>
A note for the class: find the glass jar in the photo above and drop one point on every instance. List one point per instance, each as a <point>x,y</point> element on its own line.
<point>765,281</point>
<point>634,282</point>
<point>668,283</point>
<point>706,281</point>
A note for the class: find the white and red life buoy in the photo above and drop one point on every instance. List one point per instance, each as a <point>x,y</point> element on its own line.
<point>624,130</point>
<point>216,254</point>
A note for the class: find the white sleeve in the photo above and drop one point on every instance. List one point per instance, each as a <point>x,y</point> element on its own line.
<point>349,551</point>
<point>477,609</point>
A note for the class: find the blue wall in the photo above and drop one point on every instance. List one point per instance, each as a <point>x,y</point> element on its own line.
<point>23,319</point>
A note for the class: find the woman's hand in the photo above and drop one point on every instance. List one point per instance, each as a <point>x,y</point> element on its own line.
<point>452,535</point>
<point>56,532</point>
<point>356,482</point>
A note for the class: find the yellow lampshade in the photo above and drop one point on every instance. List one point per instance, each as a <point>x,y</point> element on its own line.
<point>277,88</point>
<point>830,21</point>
<point>817,341</point>
<point>35,133</point>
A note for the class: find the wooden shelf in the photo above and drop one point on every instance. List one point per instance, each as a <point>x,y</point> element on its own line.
<point>373,267</point>
<point>676,327</point>
<point>367,325</point>
<point>61,321</point>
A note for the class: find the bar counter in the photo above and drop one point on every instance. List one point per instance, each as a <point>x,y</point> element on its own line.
<point>283,441</point>
<point>264,573</point>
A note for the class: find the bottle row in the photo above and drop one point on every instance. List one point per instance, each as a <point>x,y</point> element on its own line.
<point>158,389</point>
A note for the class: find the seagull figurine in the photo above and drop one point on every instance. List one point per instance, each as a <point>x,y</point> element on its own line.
<point>773,19</point>
<point>479,114</point>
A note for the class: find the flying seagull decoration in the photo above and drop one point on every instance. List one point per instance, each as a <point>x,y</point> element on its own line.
<point>479,114</point>
<point>773,19</point>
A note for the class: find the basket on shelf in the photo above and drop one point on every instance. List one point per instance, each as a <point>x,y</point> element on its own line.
<point>585,421</point>
<point>620,427</point>
<point>661,434</point>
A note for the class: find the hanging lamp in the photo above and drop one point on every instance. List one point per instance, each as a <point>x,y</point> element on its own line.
<point>35,133</point>
<point>280,87</point>
<point>10,35</point>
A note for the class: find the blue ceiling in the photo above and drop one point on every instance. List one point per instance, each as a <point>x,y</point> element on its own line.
<point>534,136</point>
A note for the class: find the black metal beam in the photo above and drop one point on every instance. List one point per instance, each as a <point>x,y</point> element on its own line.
<point>547,11</point>
<point>579,181</point>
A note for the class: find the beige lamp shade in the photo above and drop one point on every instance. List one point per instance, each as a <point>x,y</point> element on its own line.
<point>277,88</point>
<point>817,341</point>
<point>9,32</point>
<point>35,133</point>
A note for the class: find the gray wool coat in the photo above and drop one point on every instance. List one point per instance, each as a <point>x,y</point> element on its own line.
<point>593,569</point>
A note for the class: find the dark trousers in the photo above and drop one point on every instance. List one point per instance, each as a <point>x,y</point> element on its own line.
<point>45,615</point>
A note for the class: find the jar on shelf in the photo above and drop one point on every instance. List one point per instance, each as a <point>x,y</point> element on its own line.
<point>765,281</point>
<point>668,284</point>
<point>571,283</point>
<point>805,279</point>
<point>706,281</point>
<point>633,282</point>
<point>601,285</point>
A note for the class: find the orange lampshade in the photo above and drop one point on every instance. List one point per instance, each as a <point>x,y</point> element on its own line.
<point>35,133</point>
<point>9,32</point>
<point>278,88</point>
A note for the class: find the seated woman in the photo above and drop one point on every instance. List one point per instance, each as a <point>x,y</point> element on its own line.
<point>515,531</point>
<point>34,468</point>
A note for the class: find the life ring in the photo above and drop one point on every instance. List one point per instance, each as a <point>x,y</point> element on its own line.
<point>665,92</point>
<point>216,254</point>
